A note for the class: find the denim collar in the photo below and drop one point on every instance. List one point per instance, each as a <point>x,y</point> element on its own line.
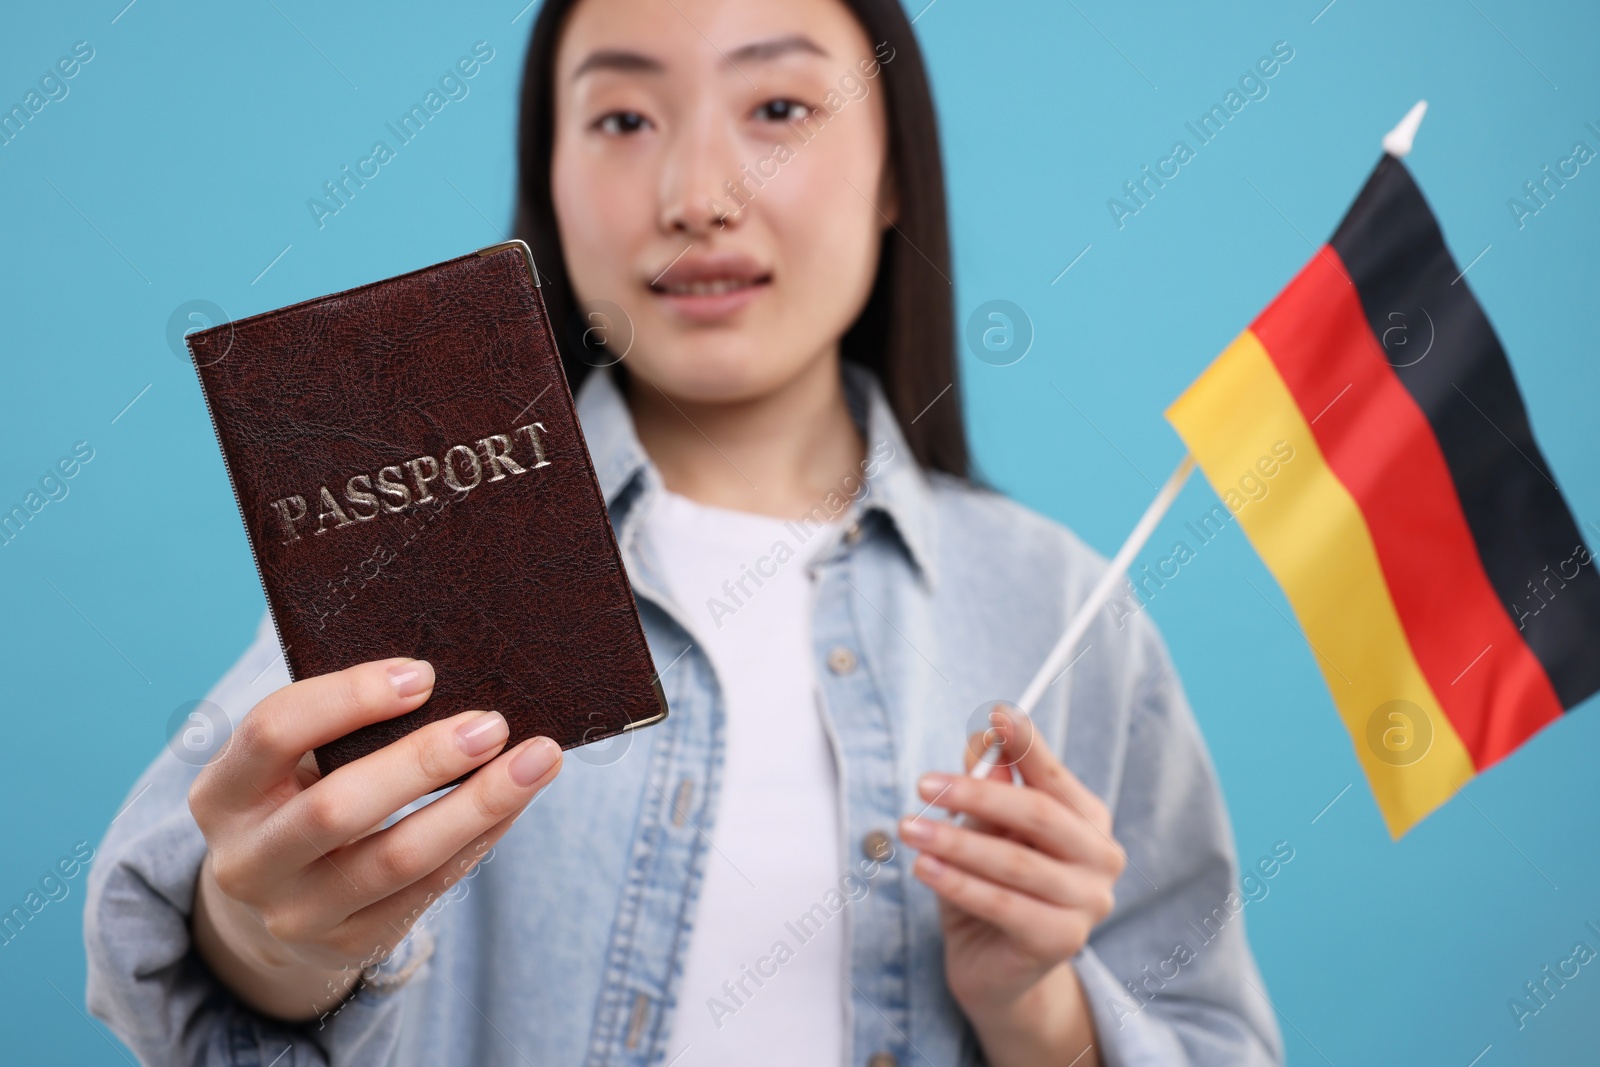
<point>896,485</point>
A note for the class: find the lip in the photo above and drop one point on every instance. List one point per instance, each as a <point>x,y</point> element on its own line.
<point>747,278</point>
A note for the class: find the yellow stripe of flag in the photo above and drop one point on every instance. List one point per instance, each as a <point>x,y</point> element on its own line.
<point>1311,534</point>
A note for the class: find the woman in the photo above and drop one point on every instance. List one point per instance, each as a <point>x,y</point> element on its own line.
<point>740,206</point>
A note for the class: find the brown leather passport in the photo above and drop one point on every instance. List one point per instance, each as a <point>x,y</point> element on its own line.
<point>414,482</point>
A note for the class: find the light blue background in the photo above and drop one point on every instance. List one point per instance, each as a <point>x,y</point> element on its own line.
<point>181,163</point>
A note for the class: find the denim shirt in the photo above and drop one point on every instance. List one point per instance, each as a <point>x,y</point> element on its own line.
<point>566,945</point>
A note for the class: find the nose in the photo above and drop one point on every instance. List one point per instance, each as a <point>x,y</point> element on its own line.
<point>699,177</point>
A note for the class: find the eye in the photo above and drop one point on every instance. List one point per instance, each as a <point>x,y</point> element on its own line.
<point>783,111</point>
<point>621,122</point>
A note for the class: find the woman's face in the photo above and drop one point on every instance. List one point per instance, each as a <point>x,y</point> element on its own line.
<point>673,114</point>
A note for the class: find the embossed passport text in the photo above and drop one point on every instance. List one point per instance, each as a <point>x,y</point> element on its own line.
<point>414,482</point>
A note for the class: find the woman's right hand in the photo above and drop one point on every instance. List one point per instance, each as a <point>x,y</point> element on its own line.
<point>297,893</point>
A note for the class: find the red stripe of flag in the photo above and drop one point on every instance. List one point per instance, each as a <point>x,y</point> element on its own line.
<point>1382,448</point>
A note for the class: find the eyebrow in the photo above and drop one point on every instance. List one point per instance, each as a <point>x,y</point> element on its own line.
<point>624,61</point>
<point>762,51</point>
<point>619,60</point>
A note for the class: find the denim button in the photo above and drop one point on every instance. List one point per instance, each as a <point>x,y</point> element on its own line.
<point>877,846</point>
<point>841,660</point>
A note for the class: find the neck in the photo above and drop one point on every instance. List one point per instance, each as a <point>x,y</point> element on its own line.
<point>776,454</point>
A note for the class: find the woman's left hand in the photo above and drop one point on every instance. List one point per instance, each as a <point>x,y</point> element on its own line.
<point>1021,885</point>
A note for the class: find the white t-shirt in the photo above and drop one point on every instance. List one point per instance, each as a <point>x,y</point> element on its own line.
<point>741,580</point>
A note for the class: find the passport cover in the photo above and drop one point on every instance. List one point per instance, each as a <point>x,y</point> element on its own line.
<point>414,482</point>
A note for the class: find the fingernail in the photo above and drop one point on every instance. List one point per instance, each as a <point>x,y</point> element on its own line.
<point>916,831</point>
<point>529,765</point>
<point>929,865</point>
<point>411,677</point>
<point>931,785</point>
<point>479,735</point>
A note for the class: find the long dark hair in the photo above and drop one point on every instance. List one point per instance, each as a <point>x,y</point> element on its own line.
<point>906,332</point>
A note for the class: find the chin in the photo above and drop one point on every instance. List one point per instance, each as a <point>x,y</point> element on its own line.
<point>714,373</point>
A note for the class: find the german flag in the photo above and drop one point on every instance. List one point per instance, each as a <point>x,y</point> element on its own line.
<point>1398,497</point>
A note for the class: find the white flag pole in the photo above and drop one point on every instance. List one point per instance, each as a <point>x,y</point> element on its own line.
<point>1398,141</point>
<point>1110,578</point>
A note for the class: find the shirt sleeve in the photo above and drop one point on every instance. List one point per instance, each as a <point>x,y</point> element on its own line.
<point>146,981</point>
<point>1169,976</point>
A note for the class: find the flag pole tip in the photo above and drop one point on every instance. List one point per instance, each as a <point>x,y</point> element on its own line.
<point>1397,142</point>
